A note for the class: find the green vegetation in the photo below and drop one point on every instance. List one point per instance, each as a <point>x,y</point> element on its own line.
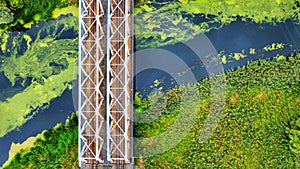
<point>16,4</point>
<point>274,46</point>
<point>262,100</point>
<point>17,147</point>
<point>30,11</point>
<point>67,10</point>
<point>54,150</point>
<point>3,3</point>
<point>294,135</point>
<point>46,55</point>
<point>260,124</point>
<point>4,41</point>
<point>6,16</point>
<point>173,22</point>
<point>48,62</point>
<point>231,57</point>
<point>14,110</point>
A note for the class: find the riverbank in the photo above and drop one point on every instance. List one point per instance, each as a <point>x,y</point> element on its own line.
<point>173,22</point>
<point>54,147</point>
<point>47,65</point>
<point>30,12</point>
<point>44,119</point>
<point>262,99</point>
<point>39,71</point>
<point>18,147</point>
<point>39,66</point>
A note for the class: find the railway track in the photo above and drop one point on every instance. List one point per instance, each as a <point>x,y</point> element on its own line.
<point>105,78</point>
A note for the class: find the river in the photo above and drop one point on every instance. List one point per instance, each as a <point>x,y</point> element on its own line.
<point>234,37</point>
<point>58,111</point>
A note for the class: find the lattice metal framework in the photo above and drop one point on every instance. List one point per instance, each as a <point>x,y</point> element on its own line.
<point>105,82</point>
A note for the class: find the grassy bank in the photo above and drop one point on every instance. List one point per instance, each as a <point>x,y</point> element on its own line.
<point>17,147</point>
<point>54,150</point>
<point>262,100</point>
<point>28,12</point>
<point>261,104</point>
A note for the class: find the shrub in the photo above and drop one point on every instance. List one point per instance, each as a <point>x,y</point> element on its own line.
<point>17,4</point>
<point>6,16</point>
<point>294,135</point>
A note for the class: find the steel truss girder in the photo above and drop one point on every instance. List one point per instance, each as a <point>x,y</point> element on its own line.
<point>105,82</point>
<point>119,73</point>
<point>91,79</point>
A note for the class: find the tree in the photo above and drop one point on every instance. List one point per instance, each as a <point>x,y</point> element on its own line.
<point>3,3</point>
<point>17,4</point>
<point>294,135</point>
<point>6,16</point>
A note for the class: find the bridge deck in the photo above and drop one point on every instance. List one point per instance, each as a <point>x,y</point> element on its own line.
<point>105,84</point>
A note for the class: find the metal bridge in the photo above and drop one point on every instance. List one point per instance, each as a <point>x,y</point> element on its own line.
<point>105,84</point>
